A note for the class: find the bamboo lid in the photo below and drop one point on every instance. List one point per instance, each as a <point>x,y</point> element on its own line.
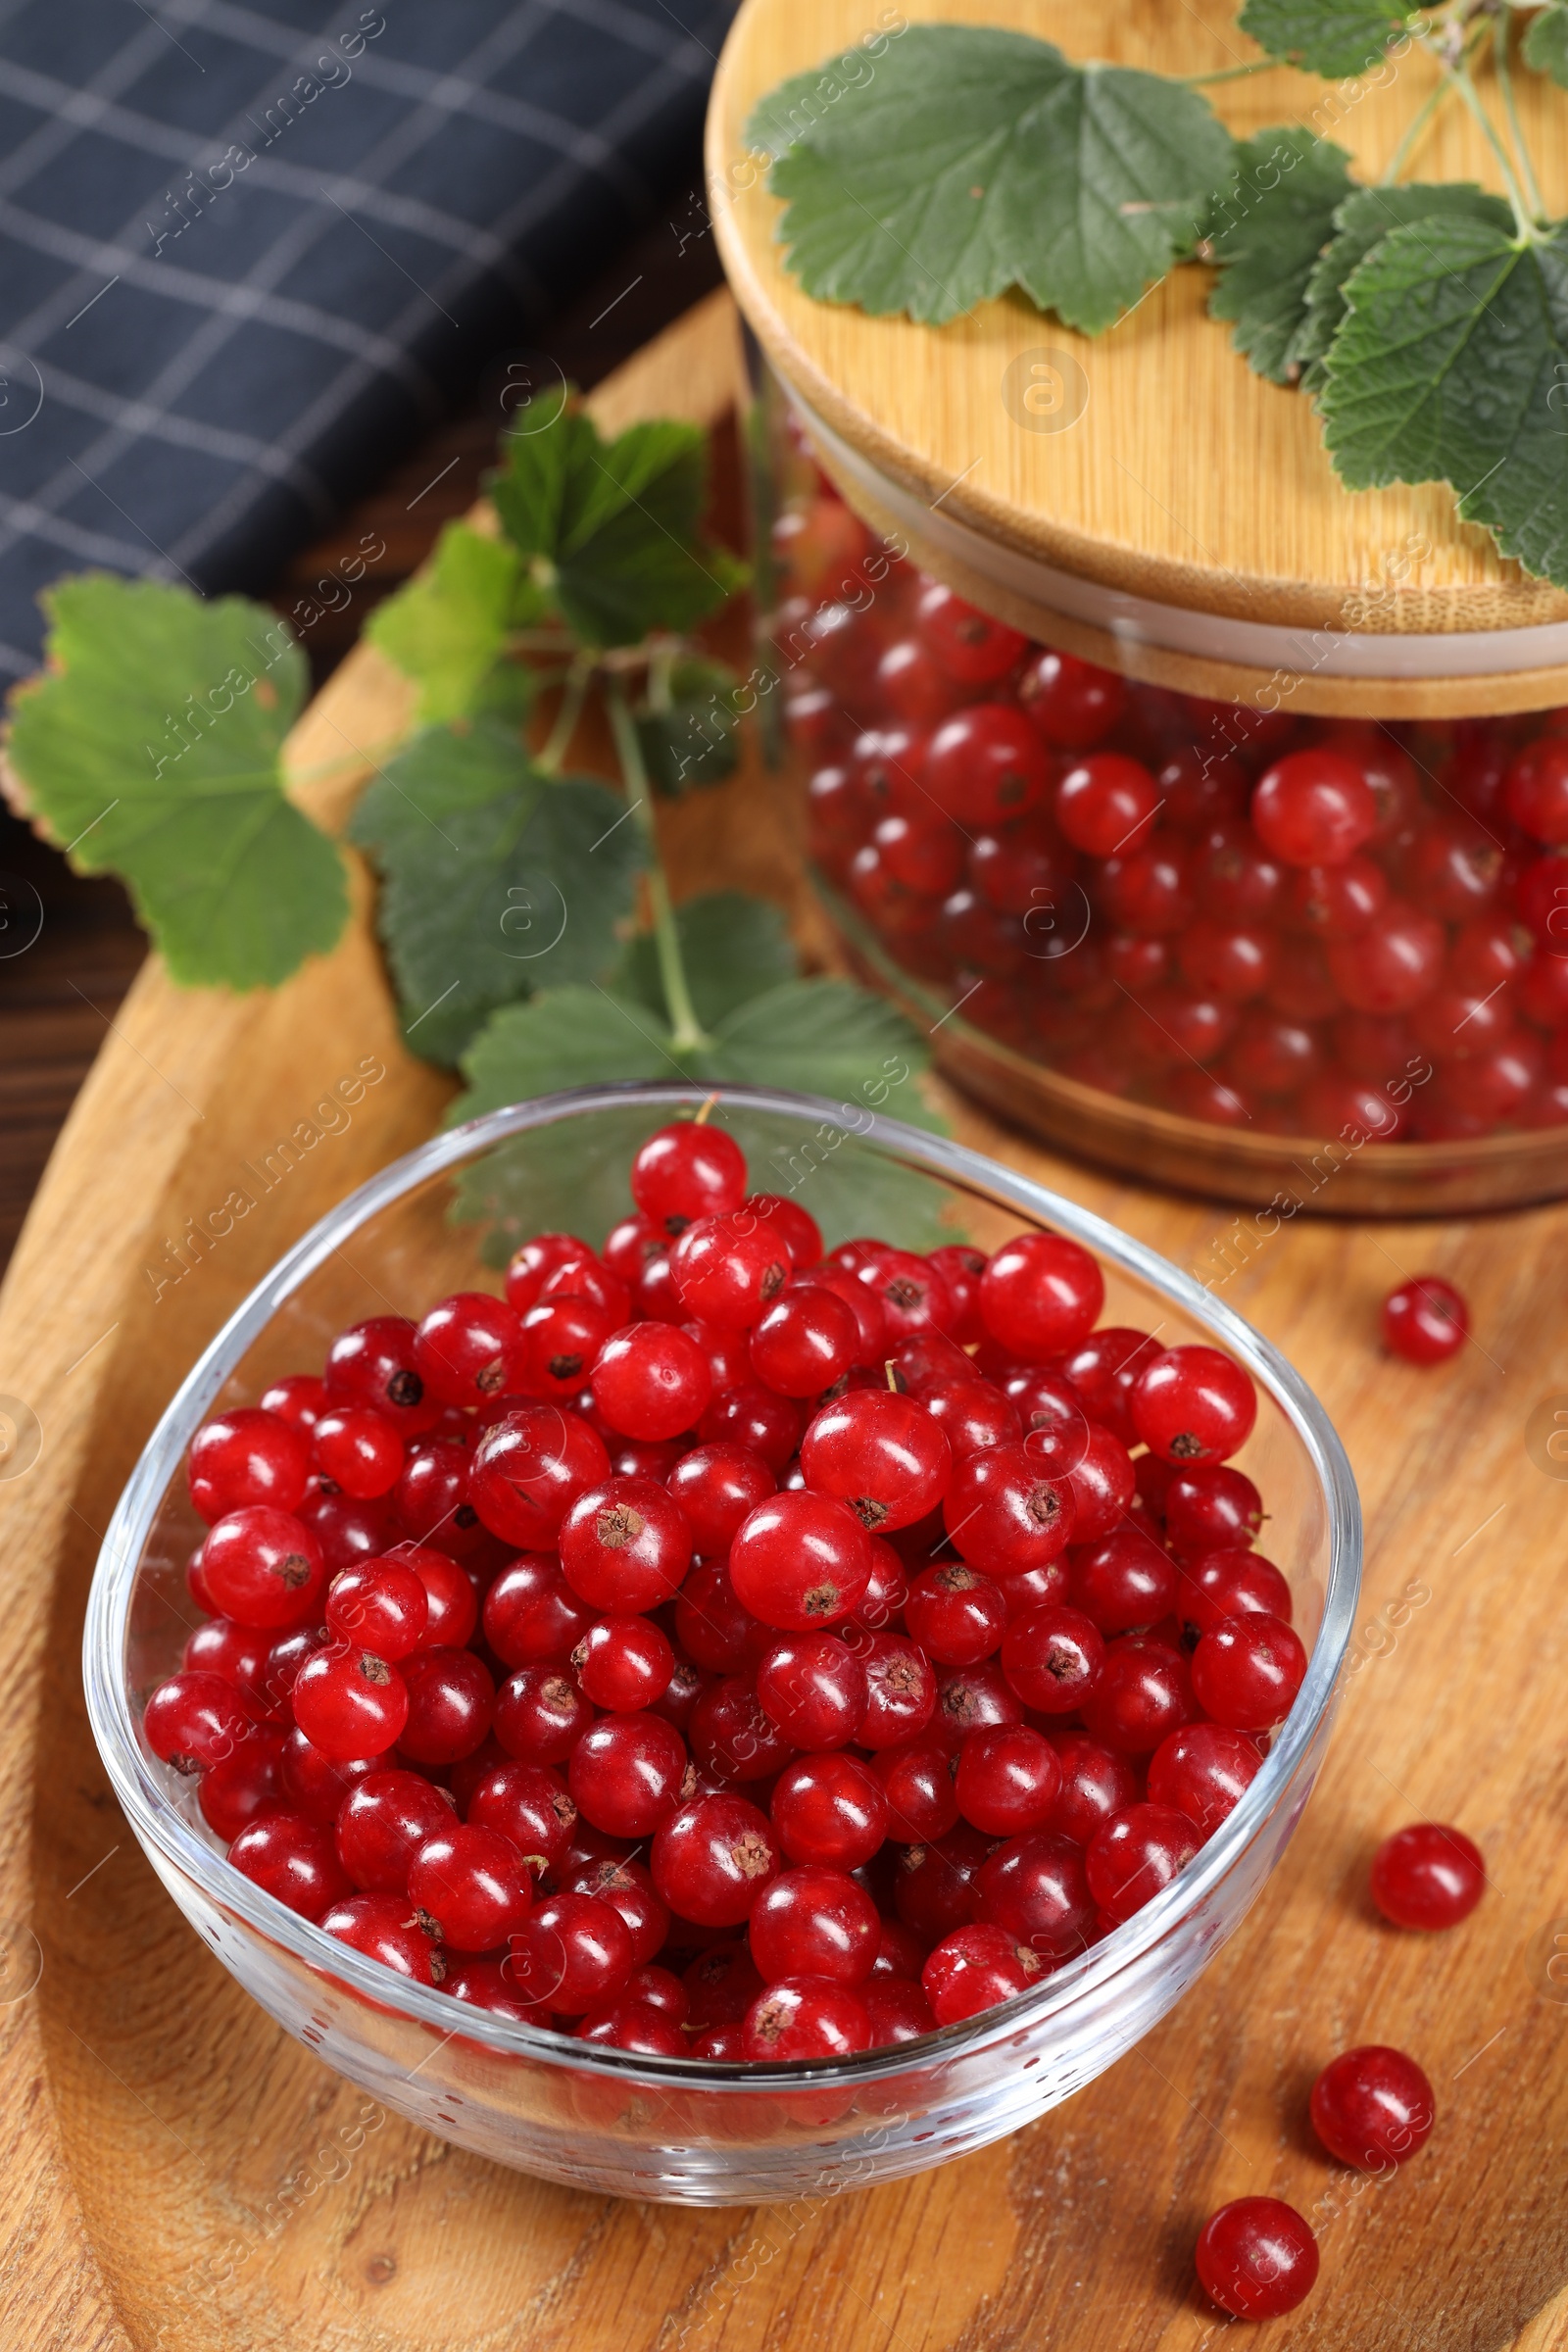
<point>1186,524</point>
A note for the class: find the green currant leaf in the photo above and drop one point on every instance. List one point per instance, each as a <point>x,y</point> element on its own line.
<point>1335,38</point>
<point>974,160</point>
<point>1545,44</point>
<point>582,1037</point>
<point>1362,221</point>
<point>689,735</point>
<point>1452,364</point>
<point>1267,228</point>
<point>610,530</point>
<point>152,752</point>
<point>447,626</point>
<point>820,1036</point>
<point>496,880</point>
<point>732,947</point>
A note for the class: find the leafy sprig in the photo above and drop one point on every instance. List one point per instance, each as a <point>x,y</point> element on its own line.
<point>1428,323</point>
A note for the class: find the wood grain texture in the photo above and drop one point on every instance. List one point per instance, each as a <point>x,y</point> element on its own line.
<point>1187,478</point>
<point>177,2173</point>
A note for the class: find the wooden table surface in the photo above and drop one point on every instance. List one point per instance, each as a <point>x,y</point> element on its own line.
<point>163,2165</point>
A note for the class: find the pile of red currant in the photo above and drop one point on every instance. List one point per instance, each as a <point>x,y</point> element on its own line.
<point>1295,926</point>
<point>717,1647</point>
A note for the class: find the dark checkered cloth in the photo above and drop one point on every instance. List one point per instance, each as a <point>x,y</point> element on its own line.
<point>247,251</point>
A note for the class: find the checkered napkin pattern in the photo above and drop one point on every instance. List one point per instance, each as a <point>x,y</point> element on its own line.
<point>247,251</point>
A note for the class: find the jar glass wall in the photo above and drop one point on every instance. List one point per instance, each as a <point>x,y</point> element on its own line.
<point>1219,944</point>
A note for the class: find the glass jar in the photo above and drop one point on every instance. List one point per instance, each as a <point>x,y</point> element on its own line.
<point>1228,945</point>
<point>1211,818</point>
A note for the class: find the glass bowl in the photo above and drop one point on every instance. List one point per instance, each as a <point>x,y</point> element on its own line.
<point>687,2130</point>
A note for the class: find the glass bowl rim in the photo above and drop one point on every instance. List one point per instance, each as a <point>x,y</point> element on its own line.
<point>158,1823</point>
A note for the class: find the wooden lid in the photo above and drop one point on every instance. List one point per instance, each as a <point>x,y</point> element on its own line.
<point>1186,484</point>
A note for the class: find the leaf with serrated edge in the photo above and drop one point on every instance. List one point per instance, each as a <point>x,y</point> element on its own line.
<point>151,751</point>
<point>496,880</point>
<point>611,528</point>
<point>821,1037</point>
<point>1450,365</point>
<point>1269,226</point>
<point>976,160</point>
<point>732,947</point>
<point>1545,46</point>
<point>1337,38</point>
<point>447,626</point>
<point>1363,221</point>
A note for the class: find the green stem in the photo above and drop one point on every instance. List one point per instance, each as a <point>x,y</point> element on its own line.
<point>1198,81</point>
<point>1412,138</point>
<point>1460,76</point>
<point>1500,37</point>
<point>687,1034</point>
<point>549,759</point>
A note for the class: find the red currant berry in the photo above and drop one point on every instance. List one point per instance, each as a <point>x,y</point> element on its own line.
<point>263,1568</point>
<point>790,1224</point>
<point>1231,1584</point>
<point>532,1614</point>
<point>720,1986</point>
<point>732,1736</point>
<point>245,1785</point>
<point>571,1953</point>
<point>196,1720</point>
<point>829,1809</point>
<point>450,1698</point>
<point>1040,1296</point>
<point>529,1468</point>
<point>451,1604</point>
<point>1425,1320</point>
<point>1535,792</point>
<point>955,1615</point>
<point>1194,1404</point>
<point>1427,1876</point>
<point>755,1420</point>
<point>1211,1508</point>
<point>625,1546</point>
<point>529,1805</point>
<point>1314,808</point>
<point>712,1860</point>
<point>623,1663</point>
<point>1257,2258</point>
<point>293,1860</point>
<point>917,1780</point>
<point>1392,965</point>
<point>687,1171</point>
<point>626,1774</point>
<point>539,1715</point>
<point>357,1449</point>
<point>1247,1671</point>
<point>1125,1583</point>
<point>651,1380</point>
<point>1036,1889</point>
<point>634,2025</point>
<point>1004,1515</point>
<point>430,1500</point>
<point>961,1269</point>
<point>803,2019</point>
<point>380,1603</point>
<point>468,1348</point>
<point>812,1688</point>
<point>717,1488</point>
<point>316,1787</point>
<point>382,1927</point>
<point>382,1824</point>
<point>970,645</point>
<point>1101,1373</point>
<point>349,1702</point>
<point>562,1337</point>
<point>934,1890</point>
<point>1142,1694</point>
<point>800,1561</point>
<point>472,1884</point>
<point>1135,1854</point>
<point>1203,1771</point>
<point>533,1266</point>
<point>1096,1783</point>
<point>804,1341</point>
<point>974,1698</point>
<point>1372,2107</point>
<point>1007,1781</point>
<point>986,764</point>
<point>973,1968</point>
<point>237,1653</point>
<point>901,1691</point>
<point>814,1923</point>
<point>373,1363</point>
<point>973,1415</point>
<point>1071,701</point>
<point>711,1626</point>
<point>728,1271</point>
<point>1053,1658</point>
<point>881,1454</point>
<point>247,1456</point>
<point>912,1295</point>
<point>1107,803</point>
<point>298,1399</point>
<point>896,2010</point>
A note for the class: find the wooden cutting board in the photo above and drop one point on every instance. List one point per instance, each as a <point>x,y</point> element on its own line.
<point>176,2173</point>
